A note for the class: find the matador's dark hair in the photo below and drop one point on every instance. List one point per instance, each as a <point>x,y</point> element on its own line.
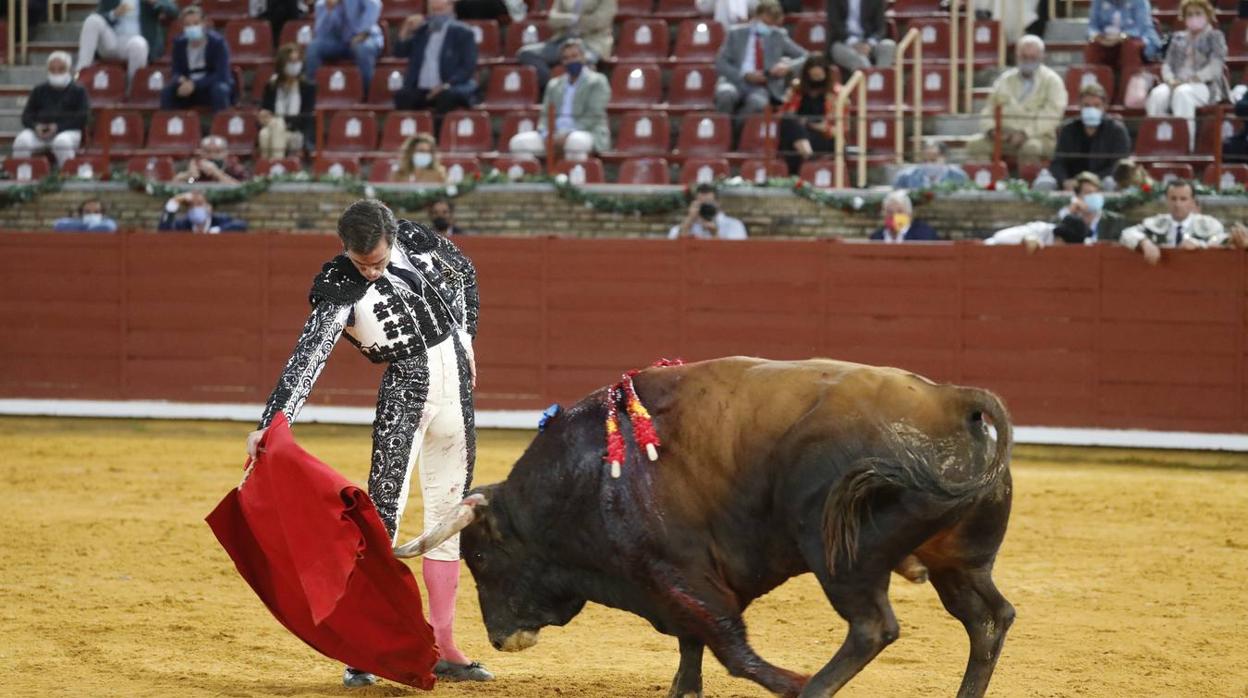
<point>364,224</point>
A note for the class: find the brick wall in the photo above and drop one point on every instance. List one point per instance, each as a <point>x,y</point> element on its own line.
<point>536,209</point>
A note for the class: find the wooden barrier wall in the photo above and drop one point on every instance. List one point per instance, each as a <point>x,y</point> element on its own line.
<point>1069,336</point>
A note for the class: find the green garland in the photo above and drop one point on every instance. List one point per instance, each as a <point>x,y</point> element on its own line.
<point>25,193</point>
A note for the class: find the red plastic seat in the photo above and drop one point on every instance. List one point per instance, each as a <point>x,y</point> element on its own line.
<point>489,39</point>
<point>1079,75</point>
<point>934,93</point>
<point>811,34</point>
<point>520,34</point>
<point>643,133</point>
<point>1161,137</point>
<point>1237,43</point>
<point>703,170</point>
<point>881,86</point>
<point>336,166</point>
<point>758,136</point>
<point>173,132</point>
<point>105,84</point>
<point>515,122</point>
<point>259,80</point>
<point>297,31</point>
<point>934,33</point>
<point>86,167</point>
<point>1166,171</point>
<point>338,87</point>
<point>820,173</point>
<point>146,86</point>
<point>1231,175</point>
<point>121,131</point>
<point>698,40</point>
<point>759,171</point>
<point>466,131</point>
<point>460,167</point>
<point>636,86</point>
<point>633,8</point>
<point>158,168</point>
<point>238,127</point>
<point>27,169</point>
<point>351,132</point>
<point>644,171</point>
<point>401,125</point>
<point>387,80</point>
<point>676,10</point>
<point>382,170</point>
<point>692,87</point>
<point>705,133</point>
<point>399,10</point>
<point>277,166</point>
<point>642,40</point>
<point>250,41</point>
<point>987,49</point>
<point>223,10</point>
<point>517,166</point>
<point>905,9</point>
<point>587,171</point>
<point>986,174</point>
<point>510,86</point>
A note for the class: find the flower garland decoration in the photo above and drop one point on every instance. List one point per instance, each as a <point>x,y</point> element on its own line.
<point>643,425</point>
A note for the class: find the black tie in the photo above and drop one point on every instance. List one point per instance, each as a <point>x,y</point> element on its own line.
<point>1178,235</point>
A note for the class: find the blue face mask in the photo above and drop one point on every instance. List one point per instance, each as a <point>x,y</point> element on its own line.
<point>1094,201</point>
<point>762,28</point>
<point>1091,116</point>
<point>198,215</point>
<point>574,69</point>
<point>437,22</point>
<point>194,32</point>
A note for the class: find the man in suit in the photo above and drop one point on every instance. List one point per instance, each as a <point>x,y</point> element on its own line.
<point>856,34</point>
<point>578,99</point>
<point>128,30</point>
<point>1183,225</point>
<point>755,61</point>
<point>345,29</point>
<point>899,223</point>
<point>441,58</point>
<point>201,67</point>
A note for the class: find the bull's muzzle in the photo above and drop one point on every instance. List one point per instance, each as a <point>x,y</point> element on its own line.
<point>517,641</point>
<point>459,519</point>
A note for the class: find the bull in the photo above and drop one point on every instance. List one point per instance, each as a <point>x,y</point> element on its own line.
<point>768,470</point>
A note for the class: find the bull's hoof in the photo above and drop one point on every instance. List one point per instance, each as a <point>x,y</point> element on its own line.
<point>450,671</point>
<point>673,692</point>
<point>353,678</point>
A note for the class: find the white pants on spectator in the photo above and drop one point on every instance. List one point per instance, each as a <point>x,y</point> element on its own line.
<point>63,145</point>
<point>1182,101</point>
<point>847,56</point>
<point>577,146</point>
<point>98,36</point>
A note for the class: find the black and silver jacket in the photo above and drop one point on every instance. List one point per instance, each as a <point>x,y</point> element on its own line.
<point>428,292</point>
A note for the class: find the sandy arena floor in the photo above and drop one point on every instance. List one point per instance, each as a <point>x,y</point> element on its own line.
<point>1129,580</point>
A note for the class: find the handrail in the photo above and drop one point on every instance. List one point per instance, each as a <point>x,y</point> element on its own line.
<point>953,56</point>
<point>913,38</point>
<point>11,28</point>
<point>969,55</point>
<point>1220,115</point>
<point>25,29</point>
<point>857,84</point>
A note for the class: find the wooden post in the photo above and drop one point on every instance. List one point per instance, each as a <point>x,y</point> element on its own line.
<point>996,134</point>
<point>846,90</point>
<point>1220,115</point>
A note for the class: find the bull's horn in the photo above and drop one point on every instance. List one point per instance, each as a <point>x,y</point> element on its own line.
<point>459,519</point>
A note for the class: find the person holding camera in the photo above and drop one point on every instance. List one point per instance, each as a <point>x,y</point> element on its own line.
<point>705,219</point>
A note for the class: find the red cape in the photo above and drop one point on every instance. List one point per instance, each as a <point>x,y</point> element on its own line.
<point>313,548</point>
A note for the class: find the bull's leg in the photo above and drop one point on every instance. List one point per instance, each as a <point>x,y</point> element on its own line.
<point>688,681</point>
<point>733,650</point>
<point>872,627</point>
<point>971,597</point>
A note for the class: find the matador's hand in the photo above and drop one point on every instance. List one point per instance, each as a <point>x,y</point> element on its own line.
<point>253,442</point>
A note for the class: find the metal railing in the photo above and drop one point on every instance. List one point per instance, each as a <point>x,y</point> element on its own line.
<point>857,86</point>
<point>912,39</point>
<point>17,14</point>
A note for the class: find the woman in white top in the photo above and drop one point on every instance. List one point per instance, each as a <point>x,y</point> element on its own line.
<point>288,107</point>
<point>1194,71</point>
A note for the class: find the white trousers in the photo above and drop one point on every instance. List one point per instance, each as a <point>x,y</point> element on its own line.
<point>98,36</point>
<point>577,146</point>
<point>63,145</point>
<point>1182,101</point>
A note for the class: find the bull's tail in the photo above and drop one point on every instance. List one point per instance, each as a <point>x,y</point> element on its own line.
<point>911,468</point>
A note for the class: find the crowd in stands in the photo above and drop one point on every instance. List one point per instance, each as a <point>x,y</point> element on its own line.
<point>420,92</point>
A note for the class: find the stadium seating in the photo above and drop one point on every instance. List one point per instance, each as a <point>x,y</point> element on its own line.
<point>26,170</point>
<point>86,167</point>
<point>644,171</point>
<point>635,86</point>
<point>336,166</point>
<point>986,174</point>
<point>759,171</point>
<point>588,171</point>
<point>238,127</point>
<point>517,166</point>
<point>520,34</point>
<point>758,135</point>
<point>158,168</point>
<point>386,81</point>
<point>516,121</point>
<point>174,133</point>
<point>459,167</point>
<point>105,84</point>
<point>643,133</point>
<point>277,166</point>
<point>704,133</point>
<point>698,40</point>
<point>700,170</point>
<point>146,87</point>
<point>297,31</point>
<point>401,125</point>
<point>641,40</point>
<point>250,41</point>
<point>489,41</point>
<point>1232,174</point>
<point>338,87</point>
<point>509,87</point>
<point>466,131</point>
<point>692,88</point>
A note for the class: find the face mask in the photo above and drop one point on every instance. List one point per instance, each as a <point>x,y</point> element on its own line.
<point>293,69</point>
<point>1094,201</point>
<point>441,225</point>
<point>574,69</point>
<point>898,222</point>
<point>1091,116</point>
<point>60,81</point>
<point>198,215</point>
<point>1197,23</point>
<point>92,219</point>
<point>422,160</point>
<point>1028,68</point>
<point>437,22</point>
<point>193,33</point>
<point>762,28</point>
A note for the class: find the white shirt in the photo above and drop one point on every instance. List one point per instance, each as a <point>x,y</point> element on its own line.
<point>128,25</point>
<point>563,119</point>
<point>729,229</point>
<point>747,65</point>
<point>287,101</point>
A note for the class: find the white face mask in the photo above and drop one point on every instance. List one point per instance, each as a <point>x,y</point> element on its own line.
<point>422,160</point>
<point>93,218</point>
<point>60,80</point>
<point>293,69</point>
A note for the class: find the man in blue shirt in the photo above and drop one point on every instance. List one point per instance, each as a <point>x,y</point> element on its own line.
<point>201,67</point>
<point>91,219</point>
<point>345,28</point>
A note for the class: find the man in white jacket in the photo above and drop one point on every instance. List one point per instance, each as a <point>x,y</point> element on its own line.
<point>1183,225</point>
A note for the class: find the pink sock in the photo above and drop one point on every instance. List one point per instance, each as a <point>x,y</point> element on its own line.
<point>442,581</point>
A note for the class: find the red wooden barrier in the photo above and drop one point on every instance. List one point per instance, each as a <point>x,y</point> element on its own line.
<point>1070,336</point>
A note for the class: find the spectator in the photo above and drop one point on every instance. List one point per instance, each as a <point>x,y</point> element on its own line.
<point>212,163</point>
<point>808,114</point>
<point>856,34</point>
<point>1092,142</point>
<point>1084,221</point>
<point>55,113</point>
<point>899,223</point>
<point>201,67</point>
<point>1181,226</point>
<point>199,217</point>
<point>579,100</point>
<point>934,169</point>
<point>441,58</point>
<point>90,219</point>
<point>277,13</point>
<point>706,220</point>
<point>1070,230</point>
<point>1127,174</point>
<point>754,62</point>
<point>729,13</point>
<point>442,218</point>
<point>1032,98</point>
<point>501,11</point>
<point>128,30</point>
<point>1235,148</point>
<point>590,21</point>
<point>287,107</point>
<point>1121,35</point>
<point>1192,73</point>
<point>418,162</point>
<point>346,29</point>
